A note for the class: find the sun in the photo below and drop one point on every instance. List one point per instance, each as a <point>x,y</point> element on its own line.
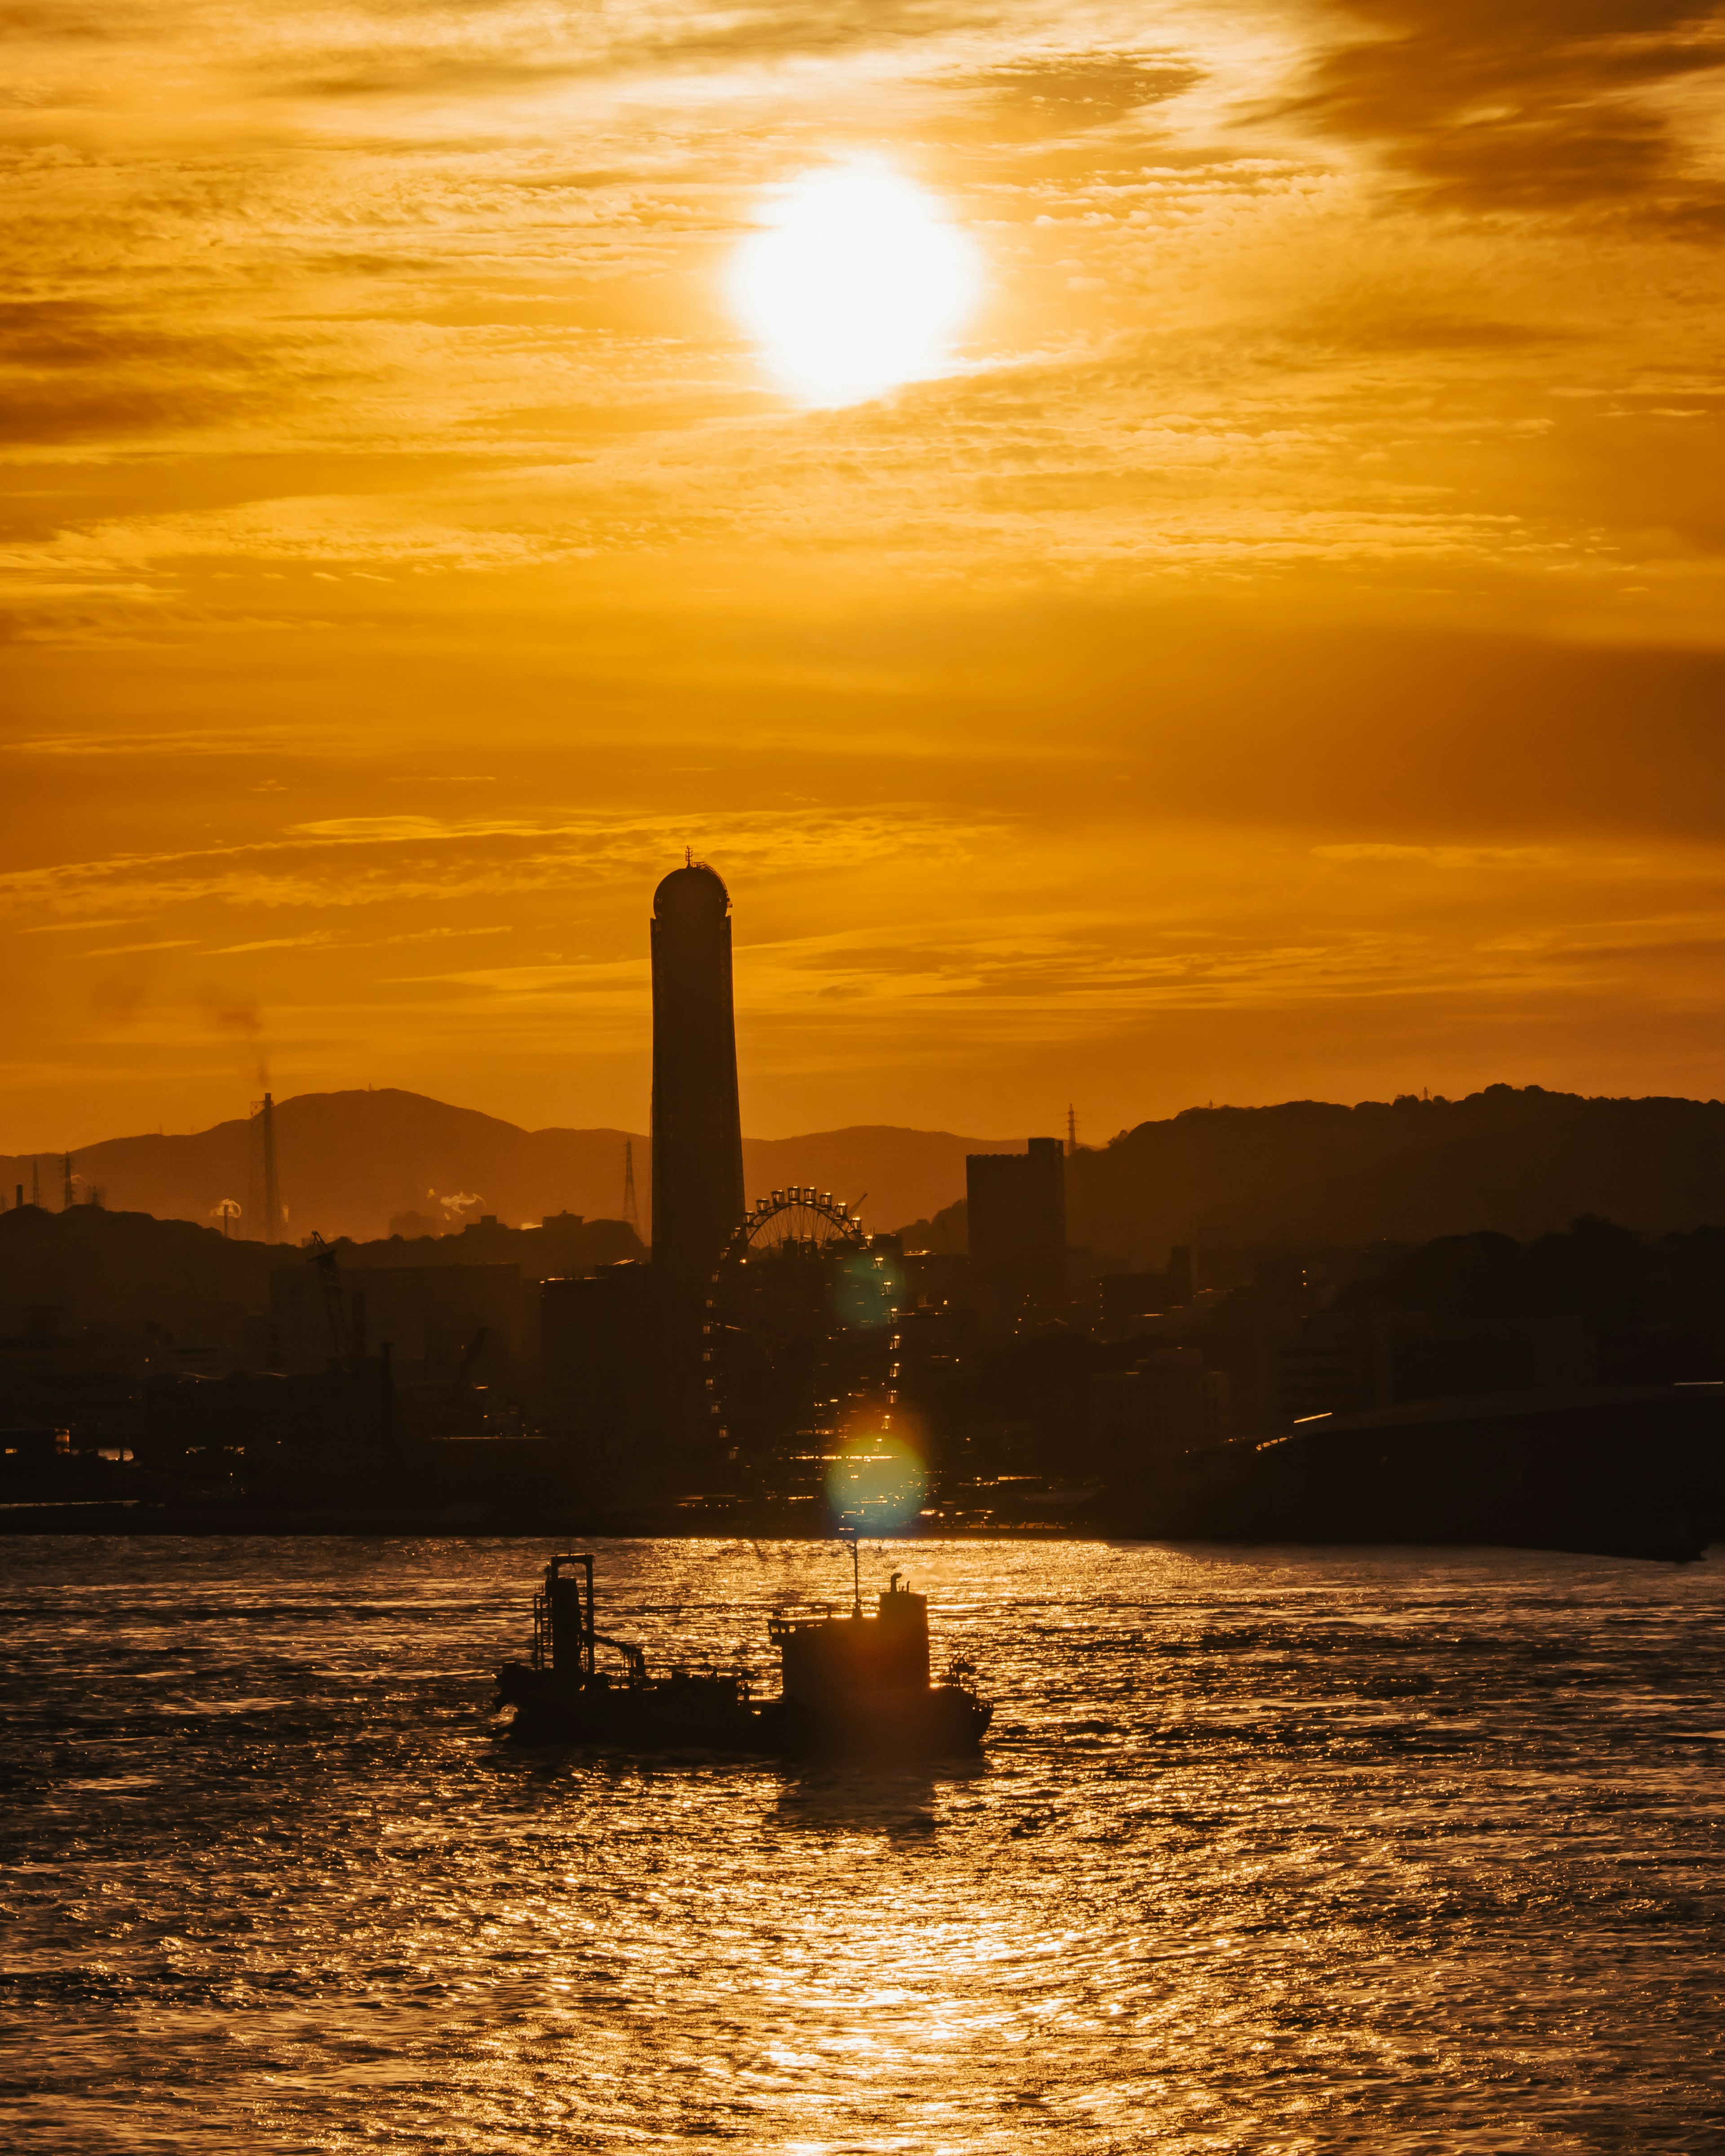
<point>856,283</point>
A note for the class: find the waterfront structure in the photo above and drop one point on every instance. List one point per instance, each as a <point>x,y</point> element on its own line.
<point>697,1126</point>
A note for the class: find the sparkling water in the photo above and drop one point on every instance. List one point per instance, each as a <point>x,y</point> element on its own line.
<point>1271,1849</point>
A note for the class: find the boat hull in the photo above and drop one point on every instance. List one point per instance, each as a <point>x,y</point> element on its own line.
<point>696,1714</point>
<point>943,1722</point>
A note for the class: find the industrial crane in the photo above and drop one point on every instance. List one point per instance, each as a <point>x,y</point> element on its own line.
<point>328,1278</point>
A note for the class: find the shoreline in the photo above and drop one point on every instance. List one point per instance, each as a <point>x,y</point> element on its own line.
<point>137,1519</point>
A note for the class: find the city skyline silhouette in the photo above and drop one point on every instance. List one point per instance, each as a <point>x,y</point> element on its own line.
<point>862,1152</point>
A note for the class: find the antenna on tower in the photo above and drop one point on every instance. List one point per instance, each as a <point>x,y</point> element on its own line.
<point>688,857</point>
<point>1071,1131</point>
<point>631,1209</point>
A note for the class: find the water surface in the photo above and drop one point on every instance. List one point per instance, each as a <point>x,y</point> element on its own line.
<point>1271,1850</point>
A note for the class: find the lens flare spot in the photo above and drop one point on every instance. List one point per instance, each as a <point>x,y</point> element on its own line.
<point>876,1483</point>
<point>857,283</point>
<point>865,1291</point>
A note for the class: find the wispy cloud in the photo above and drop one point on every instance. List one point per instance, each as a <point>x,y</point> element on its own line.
<point>377,416</point>
<point>360,861</point>
<point>1442,857</point>
<point>125,950</point>
<point>196,743</point>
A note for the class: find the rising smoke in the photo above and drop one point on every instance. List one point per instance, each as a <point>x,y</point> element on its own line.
<point>240,1014</point>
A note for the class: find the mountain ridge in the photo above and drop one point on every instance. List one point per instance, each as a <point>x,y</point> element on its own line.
<point>1523,1160</point>
<point>352,1162</point>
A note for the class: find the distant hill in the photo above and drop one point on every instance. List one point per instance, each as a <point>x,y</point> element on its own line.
<point>128,1271</point>
<point>352,1162</point>
<point>105,1268</point>
<point>1521,1161</point>
<point>901,1173</point>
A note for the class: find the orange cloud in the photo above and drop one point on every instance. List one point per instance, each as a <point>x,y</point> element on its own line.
<point>1284,657</point>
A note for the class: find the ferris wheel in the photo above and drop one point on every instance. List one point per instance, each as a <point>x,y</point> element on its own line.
<point>769,1313</point>
<point>799,1220</point>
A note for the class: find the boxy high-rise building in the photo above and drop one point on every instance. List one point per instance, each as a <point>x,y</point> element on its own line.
<point>1016,1204</point>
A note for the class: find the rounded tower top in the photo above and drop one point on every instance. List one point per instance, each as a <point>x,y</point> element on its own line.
<point>694,893</point>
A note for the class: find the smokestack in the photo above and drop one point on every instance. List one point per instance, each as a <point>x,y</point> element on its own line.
<point>272,1189</point>
<point>263,1196</point>
<point>21,1197</point>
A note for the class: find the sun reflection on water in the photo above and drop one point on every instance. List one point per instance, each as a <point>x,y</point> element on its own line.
<point>1227,1877</point>
<point>876,1483</point>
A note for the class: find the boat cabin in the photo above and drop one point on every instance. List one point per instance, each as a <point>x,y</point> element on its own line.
<point>823,1658</point>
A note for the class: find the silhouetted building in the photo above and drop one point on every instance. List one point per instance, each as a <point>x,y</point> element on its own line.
<point>1125,1296</point>
<point>520,1474</point>
<point>595,1354</point>
<point>1016,1204</point>
<point>698,1128</point>
<point>456,1335</point>
<point>1626,1469</point>
<point>1142,1417</point>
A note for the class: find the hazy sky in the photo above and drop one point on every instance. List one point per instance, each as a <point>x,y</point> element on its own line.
<point>1284,657</point>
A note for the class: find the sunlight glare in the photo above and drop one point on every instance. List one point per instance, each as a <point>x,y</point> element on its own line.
<point>876,1483</point>
<point>857,283</point>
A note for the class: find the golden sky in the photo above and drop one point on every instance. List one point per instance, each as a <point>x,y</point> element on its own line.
<point>1282,656</point>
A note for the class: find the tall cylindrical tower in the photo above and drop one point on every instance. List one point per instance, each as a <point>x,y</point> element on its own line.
<point>697,1129</point>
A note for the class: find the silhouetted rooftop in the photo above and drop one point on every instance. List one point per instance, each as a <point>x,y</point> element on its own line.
<point>690,893</point>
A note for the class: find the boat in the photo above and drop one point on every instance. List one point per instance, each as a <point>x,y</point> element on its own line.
<point>851,1684</point>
